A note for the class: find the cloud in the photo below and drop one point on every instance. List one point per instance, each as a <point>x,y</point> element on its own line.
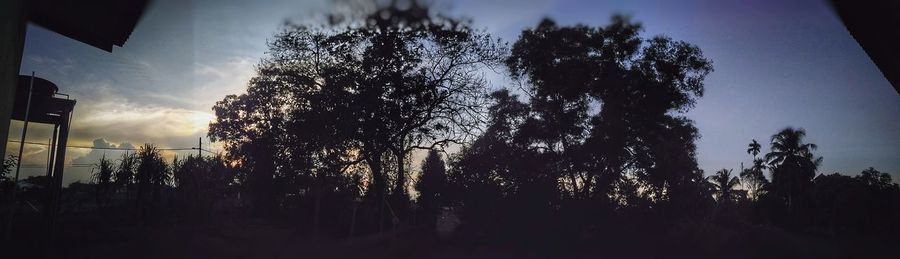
<point>104,118</point>
<point>121,120</point>
<point>216,79</point>
<point>206,70</point>
<point>60,66</point>
<point>95,154</point>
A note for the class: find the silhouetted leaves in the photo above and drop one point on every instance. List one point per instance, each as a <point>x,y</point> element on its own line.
<point>433,188</point>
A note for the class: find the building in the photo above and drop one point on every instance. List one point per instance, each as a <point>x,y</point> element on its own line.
<point>99,23</point>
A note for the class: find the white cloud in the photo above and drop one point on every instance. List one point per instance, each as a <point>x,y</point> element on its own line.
<point>215,80</point>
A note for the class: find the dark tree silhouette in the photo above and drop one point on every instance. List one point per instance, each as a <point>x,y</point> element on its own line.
<point>753,178</point>
<point>152,174</point>
<point>860,206</point>
<point>432,188</point>
<point>590,155</point>
<point>876,180</point>
<point>124,176</point>
<point>639,86</point>
<point>753,148</point>
<point>793,167</point>
<point>420,86</point>
<point>248,126</point>
<point>597,135</point>
<point>103,178</point>
<point>725,184</point>
<point>200,182</point>
<point>484,172</point>
<point>6,167</point>
<point>328,98</point>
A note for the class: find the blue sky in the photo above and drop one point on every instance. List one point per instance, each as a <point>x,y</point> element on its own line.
<point>777,64</point>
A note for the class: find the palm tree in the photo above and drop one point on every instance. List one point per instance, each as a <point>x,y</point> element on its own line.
<point>792,162</point>
<point>754,179</point>
<point>724,184</point>
<point>753,148</point>
<point>152,174</point>
<point>103,177</point>
<point>788,145</point>
<point>124,174</point>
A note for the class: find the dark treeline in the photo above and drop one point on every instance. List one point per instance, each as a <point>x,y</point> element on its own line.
<point>591,145</point>
<point>589,153</point>
<point>140,187</point>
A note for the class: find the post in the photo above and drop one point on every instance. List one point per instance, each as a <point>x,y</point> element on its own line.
<point>24,131</point>
<point>48,196</point>
<point>14,204</point>
<point>199,147</point>
<point>56,182</point>
<point>52,151</point>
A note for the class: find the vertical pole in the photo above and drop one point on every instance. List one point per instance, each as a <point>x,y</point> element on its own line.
<point>15,190</point>
<point>49,153</point>
<point>199,147</point>
<point>56,182</point>
<point>48,195</point>
<point>24,131</point>
<point>52,153</point>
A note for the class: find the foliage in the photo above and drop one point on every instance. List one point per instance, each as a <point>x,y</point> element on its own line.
<point>201,182</point>
<point>793,167</point>
<point>637,83</point>
<point>124,176</point>
<point>103,178</point>
<point>326,99</point>
<point>6,167</point>
<point>753,178</point>
<point>856,205</point>
<point>725,184</point>
<point>432,187</point>
<point>151,176</point>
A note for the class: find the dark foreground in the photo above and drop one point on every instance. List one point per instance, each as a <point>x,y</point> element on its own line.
<point>245,237</point>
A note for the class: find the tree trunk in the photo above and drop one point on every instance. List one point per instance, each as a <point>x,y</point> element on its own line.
<point>379,185</point>
<point>264,199</point>
<point>401,198</point>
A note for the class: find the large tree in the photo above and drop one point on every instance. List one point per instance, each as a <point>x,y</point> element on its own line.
<point>605,102</point>
<point>793,166</point>
<point>496,166</point>
<point>371,91</point>
<point>251,126</point>
<point>432,187</point>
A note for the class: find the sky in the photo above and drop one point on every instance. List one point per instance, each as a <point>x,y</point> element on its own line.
<point>777,64</point>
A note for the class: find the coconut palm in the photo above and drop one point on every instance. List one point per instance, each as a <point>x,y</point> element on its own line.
<point>792,164</point>
<point>724,184</point>
<point>788,146</point>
